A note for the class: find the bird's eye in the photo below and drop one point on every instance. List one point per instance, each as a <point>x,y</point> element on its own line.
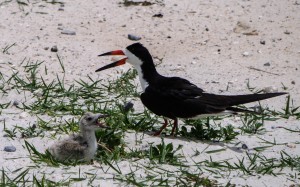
<point>89,118</point>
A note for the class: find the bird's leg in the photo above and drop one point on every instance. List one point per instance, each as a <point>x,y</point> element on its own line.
<point>175,127</point>
<point>161,128</point>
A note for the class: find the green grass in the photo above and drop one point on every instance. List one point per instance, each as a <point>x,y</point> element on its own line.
<point>253,164</point>
<point>164,153</point>
<point>290,110</point>
<point>24,178</point>
<point>57,98</point>
<point>253,124</point>
<point>205,130</point>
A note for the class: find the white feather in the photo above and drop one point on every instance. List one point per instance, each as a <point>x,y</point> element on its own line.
<point>136,62</point>
<point>225,112</point>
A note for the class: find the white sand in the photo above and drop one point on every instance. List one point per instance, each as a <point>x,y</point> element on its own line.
<point>198,29</point>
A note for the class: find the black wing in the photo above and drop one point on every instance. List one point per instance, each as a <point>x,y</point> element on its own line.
<point>176,97</point>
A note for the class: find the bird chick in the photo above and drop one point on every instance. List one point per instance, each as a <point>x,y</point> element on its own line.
<point>82,146</point>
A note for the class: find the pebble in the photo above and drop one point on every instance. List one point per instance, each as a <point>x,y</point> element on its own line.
<point>263,42</point>
<point>294,185</point>
<point>10,148</point>
<point>46,48</point>
<point>128,106</point>
<point>68,32</point>
<point>293,82</point>
<point>244,146</point>
<point>54,49</point>
<point>246,53</point>
<point>179,67</point>
<point>23,115</point>
<point>16,103</point>
<point>61,9</point>
<point>133,37</point>
<point>291,145</point>
<point>159,15</point>
<point>257,108</point>
<point>267,64</point>
<point>270,89</point>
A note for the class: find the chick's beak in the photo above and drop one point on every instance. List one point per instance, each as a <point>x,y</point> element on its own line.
<point>101,123</point>
<point>114,64</point>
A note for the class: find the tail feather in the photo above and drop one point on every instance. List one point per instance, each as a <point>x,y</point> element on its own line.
<point>242,99</point>
<point>237,110</point>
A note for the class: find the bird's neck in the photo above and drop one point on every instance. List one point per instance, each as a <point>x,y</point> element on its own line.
<point>89,136</point>
<point>147,74</point>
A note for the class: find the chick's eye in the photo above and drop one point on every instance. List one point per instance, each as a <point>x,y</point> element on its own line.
<point>89,118</point>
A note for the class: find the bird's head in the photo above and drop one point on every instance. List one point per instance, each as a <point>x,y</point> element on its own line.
<point>136,54</point>
<point>90,121</point>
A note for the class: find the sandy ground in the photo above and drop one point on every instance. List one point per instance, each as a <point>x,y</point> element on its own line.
<point>214,44</point>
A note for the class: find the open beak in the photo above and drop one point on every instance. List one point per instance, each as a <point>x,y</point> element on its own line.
<point>101,123</point>
<point>114,64</point>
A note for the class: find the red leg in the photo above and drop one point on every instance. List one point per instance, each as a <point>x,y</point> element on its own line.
<point>175,127</point>
<point>161,128</point>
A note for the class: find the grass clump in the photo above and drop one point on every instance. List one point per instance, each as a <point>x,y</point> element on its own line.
<point>111,146</point>
<point>203,130</point>
<point>164,153</point>
<point>252,124</point>
<point>56,97</point>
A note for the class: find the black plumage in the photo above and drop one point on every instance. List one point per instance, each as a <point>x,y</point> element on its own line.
<point>175,97</point>
<point>181,99</point>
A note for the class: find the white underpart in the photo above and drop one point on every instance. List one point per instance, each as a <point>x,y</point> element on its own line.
<point>136,62</point>
<point>91,140</point>
<point>225,112</point>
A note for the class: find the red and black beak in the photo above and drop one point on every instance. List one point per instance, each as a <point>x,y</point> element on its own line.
<point>114,64</point>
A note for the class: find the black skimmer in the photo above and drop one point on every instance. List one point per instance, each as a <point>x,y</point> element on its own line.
<point>175,97</point>
<point>81,146</point>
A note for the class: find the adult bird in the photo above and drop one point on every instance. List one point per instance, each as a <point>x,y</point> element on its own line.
<point>175,97</point>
